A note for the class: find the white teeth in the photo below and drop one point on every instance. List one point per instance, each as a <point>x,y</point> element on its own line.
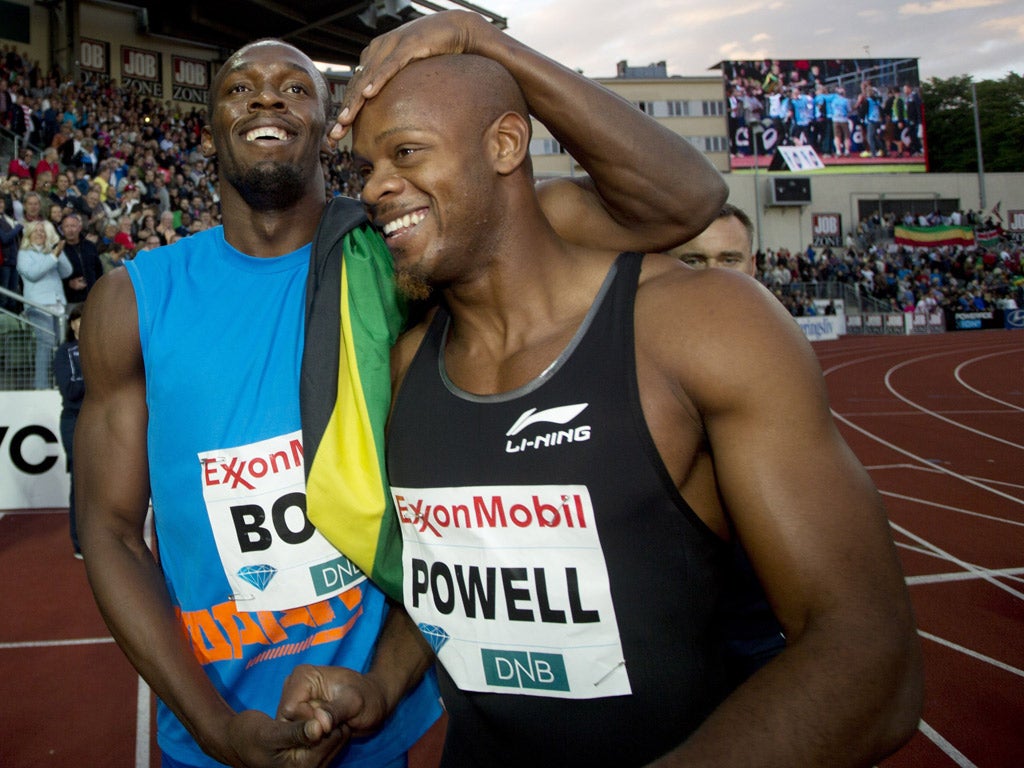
<point>403,222</point>
<point>266,132</point>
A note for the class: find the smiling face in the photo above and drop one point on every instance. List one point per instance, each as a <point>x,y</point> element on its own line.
<point>430,167</point>
<point>267,127</point>
<point>37,235</point>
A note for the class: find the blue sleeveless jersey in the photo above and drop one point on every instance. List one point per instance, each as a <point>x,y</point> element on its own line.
<point>257,588</point>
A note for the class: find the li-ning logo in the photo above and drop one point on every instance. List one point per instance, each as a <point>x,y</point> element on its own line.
<point>563,414</point>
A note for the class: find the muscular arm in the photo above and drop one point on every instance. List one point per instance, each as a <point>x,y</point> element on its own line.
<point>847,688</point>
<point>648,190</point>
<point>112,475</point>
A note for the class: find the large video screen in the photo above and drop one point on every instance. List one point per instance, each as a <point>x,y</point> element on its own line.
<point>852,112</point>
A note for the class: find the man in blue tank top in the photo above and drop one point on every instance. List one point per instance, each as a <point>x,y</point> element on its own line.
<point>569,429</point>
<point>194,352</point>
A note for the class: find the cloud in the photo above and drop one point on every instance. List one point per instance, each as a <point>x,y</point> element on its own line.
<point>945,6</point>
<point>950,37</point>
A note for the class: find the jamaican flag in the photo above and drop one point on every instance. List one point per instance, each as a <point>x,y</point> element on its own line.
<point>353,316</point>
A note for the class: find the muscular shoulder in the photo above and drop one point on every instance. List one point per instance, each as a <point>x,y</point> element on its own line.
<point>110,332</point>
<point>715,334</point>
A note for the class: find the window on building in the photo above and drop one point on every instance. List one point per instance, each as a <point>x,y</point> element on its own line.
<point>678,108</point>
<point>712,108</point>
<point>544,147</point>
<point>710,143</point>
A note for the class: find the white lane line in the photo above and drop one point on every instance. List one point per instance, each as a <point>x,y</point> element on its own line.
<point>973,654</point>
<point>980,572</point>
<point>978,392</point>
<point>958,510</point>
<point>925,462</point>
<point>942,743</point>
<point>934,414</point>
<point>56,643</point>
<point>942,578</point>
<point>142,717</point>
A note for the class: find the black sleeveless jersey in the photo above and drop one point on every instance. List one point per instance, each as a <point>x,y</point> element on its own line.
<point>567,587</point>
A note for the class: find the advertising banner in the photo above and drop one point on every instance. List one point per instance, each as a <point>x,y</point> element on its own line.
<point>827,229</point>
<point>32,470</point>
<point>190,79</point>
<point>1015,225</point>
<point>94,60</point>
<point>142,71</point>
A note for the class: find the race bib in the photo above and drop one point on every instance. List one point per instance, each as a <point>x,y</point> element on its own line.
<point>273,557</point>
<point>509,584</point>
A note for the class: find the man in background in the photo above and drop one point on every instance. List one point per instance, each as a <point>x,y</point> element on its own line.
<point>727,242</point>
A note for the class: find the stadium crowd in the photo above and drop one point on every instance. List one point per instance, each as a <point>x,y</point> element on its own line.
<point>903,278</point>
<point>131,168</point>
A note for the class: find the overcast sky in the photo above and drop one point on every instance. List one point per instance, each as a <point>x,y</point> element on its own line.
<point>982,38</point>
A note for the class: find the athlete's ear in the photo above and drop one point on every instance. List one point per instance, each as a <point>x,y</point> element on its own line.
<point>509,141</point>
<point>206,142</point>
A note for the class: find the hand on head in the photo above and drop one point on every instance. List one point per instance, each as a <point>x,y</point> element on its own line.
<point>438,34</point>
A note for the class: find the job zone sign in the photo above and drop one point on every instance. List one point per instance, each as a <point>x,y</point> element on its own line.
<point>141,71</point>
<point>190,79</point>
<point>827,229</point>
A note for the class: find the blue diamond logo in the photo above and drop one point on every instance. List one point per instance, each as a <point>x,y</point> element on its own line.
<point>435,635</point>
<point>257,575</point>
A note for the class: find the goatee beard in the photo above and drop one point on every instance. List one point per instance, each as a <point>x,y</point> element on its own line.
<point>270,187</point>
<point>412,284</point>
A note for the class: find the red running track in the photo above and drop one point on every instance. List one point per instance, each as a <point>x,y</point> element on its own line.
<point>938,421</point>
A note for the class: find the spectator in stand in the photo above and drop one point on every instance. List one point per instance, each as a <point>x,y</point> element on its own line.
<point>32,208</point>
<point>160,195</point>
<point>67,371</point>
<point>60,192</point>
<point>48,162</point>
<point>92,209</point>
<point>10,239</point>
<point>113,257</point>
<point>55,215</point>
<point>102,178</point>
<point>6,103</point>
<point>42,268</point>
<point>151,243</point>
<point>21,165</point>
<point>124,234</point>
<point>86,267</point>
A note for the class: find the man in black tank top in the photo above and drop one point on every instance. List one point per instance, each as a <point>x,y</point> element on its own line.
<point>569,428</point>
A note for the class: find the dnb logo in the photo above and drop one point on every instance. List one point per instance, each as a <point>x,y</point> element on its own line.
<point>522,669</point>
<point>1015,319</point>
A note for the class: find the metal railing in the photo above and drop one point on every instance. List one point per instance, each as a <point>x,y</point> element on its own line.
<point>18,337</point>
<point>855,301</point>
<point>11,144</point>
